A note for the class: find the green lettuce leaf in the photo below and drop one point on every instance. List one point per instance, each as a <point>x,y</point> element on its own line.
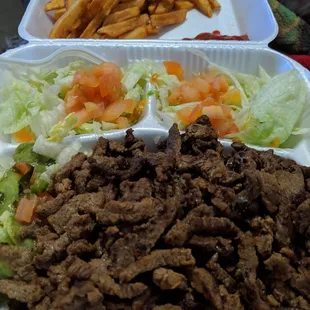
<point>271,116</point>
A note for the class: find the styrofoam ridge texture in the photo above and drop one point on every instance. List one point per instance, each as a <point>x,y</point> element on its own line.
<point>237,17</point>
<point>239,58</point>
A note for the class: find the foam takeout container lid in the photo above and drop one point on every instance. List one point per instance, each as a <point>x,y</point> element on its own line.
<point>151,127</point>
<point>236,17</point>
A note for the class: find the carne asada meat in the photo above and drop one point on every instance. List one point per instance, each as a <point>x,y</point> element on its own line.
<point>188,227</point>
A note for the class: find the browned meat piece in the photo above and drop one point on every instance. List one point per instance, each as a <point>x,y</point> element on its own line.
<point>174,142</point>
<point>214,226</point>
<point>51,250</point>
<point>135,166</point>
<point>21,291</point>
<point>167,307</point>
<point>58,273</point>
<point>100,149</point>
<point>212,244</point>
<point>54,205</point>
<point>89,203</point>
<point>302,217</point>
<point>116,148</point>
<point>64,186</point>
<point>92,202</point>
<point>79,270</point>
<point>144,237</point>
<point>279,267</point>
<point>301,282</point>
<point>263,225</point>
<point>136,191</point>
<point>80,247</point>
<point>181,232</point>
<point>247,268</point>
<point>81,178</point>
<point>80,226</point>
<point>199,137</point>
<point>101,278</point>
<point>264,245</point>
<point>66,171</point>
<point>220,274</point>
<point>19,260</point>
<point>230,301</point>
<point>44,304</point>
<point>115,212</point>
<point>168,279</point>
<point>158,258</point>
<point>82,295</point>
<point>204,283</point>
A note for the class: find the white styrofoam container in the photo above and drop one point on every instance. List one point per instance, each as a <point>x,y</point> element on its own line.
<point>236,17</point>
<point>244,59</point>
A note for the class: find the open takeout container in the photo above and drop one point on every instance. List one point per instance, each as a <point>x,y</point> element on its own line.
<point>240,58</point>
<point>236,17</point>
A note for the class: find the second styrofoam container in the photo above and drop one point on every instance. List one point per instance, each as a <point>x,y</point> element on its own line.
<point>244,59</point>
<point>236,17</point>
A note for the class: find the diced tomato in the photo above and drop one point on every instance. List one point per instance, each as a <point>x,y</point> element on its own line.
<point>184,114</point>
<point>175,97</point>
<point>83,116</point>
<point>209,101</point>
<point>110,87</point>
<point>89,92</point>
<point>43,198</point>
<point>22,136</point>
<point>75,99</point>
<point>22,167</point>
<point>107,69</point>
<point>189,94</point>
<point>25,210</point>
<point>201,85</point>
<point>214,112</point>
<point>89,79</point>
<point>114,111</point>
<point>77,76</point>
<point>122,122</point>
<point>227,111</point>
<point>130,105</point>
<point>196,113</point>
<point>209,77</point>
<point>174,68</point>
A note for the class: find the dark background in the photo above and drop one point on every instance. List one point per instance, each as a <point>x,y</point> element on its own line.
<point>11,12</point>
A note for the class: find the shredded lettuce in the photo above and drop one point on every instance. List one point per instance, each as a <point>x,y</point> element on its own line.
<point>62,129</point>
<point>272,115</point>
<point>136,93</point>
<point>47,148</point>
<point>44,121</point>
<point>9,229</point>
<point>252,84</point>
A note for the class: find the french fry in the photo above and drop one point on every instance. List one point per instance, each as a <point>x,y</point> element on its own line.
<point>152,7</point>
<point>59,13</point>
<point>183,5</point>
<point>168,4</point>
<point>121,16</point>
<point>215,4</point>
<point>96,36</point>
<point>160,9</point>
<point>97,21</point>
<point>72,35</point>
<point>116,30</point>
<point>129,4</point>
<point>151,30</point>
<point>52,5</point>
<point>63,25</point>
<point>70,3</point>
<point>204,6</point>
<point>138,33</point>
<point>166,19</point>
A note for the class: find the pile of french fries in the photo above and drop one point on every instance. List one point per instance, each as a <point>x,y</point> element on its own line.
<point>123,19</point>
